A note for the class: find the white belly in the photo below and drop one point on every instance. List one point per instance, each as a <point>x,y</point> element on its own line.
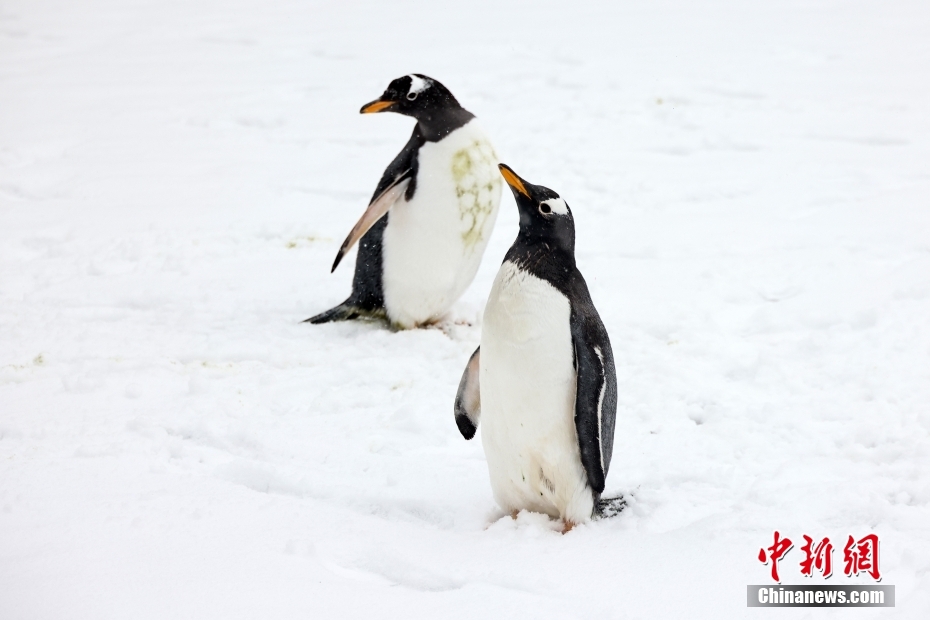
<point>527,385</point>
<point>433,244</point>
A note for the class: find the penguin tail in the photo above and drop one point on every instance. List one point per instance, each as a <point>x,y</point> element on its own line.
<point>346,311</point>
<point>607,507</point>
<point>343,312</point>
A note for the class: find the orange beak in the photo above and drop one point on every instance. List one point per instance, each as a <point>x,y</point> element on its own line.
<point>376,106</point>
<point>513,180</point>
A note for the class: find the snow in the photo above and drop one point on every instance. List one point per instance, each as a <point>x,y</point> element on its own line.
<point>750,188</point>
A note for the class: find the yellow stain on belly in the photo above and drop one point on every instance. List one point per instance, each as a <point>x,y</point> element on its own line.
<point>477,181</point>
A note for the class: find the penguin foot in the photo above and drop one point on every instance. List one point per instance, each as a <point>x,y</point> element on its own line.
<point>449,326</point>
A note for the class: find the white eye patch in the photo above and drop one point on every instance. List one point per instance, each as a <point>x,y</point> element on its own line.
<point>557,205</point>
<point>417,85</point>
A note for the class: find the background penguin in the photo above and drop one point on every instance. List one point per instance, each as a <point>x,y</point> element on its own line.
<point>442,191</point>
<point>543,380</point>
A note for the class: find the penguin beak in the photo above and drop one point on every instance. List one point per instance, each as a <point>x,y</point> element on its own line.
<point>376,106</point>
<point>516,184</point>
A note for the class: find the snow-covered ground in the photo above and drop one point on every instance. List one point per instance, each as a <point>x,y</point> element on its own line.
<point>751,188</point>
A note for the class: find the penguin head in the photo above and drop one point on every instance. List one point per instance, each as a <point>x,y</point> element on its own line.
<point>413,95</point>
<point>544,216</point>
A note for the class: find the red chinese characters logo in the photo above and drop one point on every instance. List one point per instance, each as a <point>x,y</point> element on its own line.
<point>859,556</point>
<point>819,557</point>
<point>862,556</point>
<point>779,548</point>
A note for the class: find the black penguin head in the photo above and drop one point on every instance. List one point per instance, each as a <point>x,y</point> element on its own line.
<point>414,95</point>
<point>544,216</point>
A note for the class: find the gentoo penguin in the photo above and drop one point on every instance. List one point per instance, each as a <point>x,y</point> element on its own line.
<point>429,220</point>
<point>543,380</point>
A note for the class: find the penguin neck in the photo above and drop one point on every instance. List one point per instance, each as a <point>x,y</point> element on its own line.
<point>544,257</point>
<point>434,125</point>
<point>533,233</point>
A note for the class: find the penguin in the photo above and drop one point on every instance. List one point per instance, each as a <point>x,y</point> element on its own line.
<point>542,381</point>
<point>429,220</point>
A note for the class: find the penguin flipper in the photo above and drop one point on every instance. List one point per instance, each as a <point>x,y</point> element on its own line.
<point>468,398</point>
<point>375,211</point>
<point>595,397</point>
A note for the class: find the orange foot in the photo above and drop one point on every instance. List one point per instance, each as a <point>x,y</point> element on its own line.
<point>567,526</point>
<point>513,514</point>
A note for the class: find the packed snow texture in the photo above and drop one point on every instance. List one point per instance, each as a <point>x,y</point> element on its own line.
<point>751,188</point>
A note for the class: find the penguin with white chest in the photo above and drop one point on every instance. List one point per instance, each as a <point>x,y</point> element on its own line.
<point>543,381</point>
<point>429,220</point>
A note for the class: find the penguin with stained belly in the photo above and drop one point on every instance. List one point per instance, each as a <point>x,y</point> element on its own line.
<point>429,220</point>
<point>543,380</point>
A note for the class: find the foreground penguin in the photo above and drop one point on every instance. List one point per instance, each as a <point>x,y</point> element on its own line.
<point>429,220</point>
<point>543,380</point>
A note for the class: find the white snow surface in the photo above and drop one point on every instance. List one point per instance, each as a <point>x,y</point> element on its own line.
<point>751,188</point>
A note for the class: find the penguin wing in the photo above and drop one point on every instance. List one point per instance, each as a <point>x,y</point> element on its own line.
<point>375,211</point>
<point>468,398</point>
<point>595,397</point>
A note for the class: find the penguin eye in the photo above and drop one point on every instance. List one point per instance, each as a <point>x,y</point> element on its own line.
<point>545,209</point>
<point>411,96</point>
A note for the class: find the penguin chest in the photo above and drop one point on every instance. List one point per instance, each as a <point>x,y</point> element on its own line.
<point>528,383</point>
<point>434,242</point>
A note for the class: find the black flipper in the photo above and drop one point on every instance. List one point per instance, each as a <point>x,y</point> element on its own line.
<point>468,398</point>
<point>596,396</point>
<point>377,209</point>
